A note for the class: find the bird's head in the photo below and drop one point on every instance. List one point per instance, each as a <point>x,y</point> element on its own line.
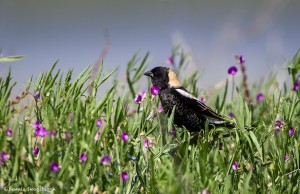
<point>163,77</point>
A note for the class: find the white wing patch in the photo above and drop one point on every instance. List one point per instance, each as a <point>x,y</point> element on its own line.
<point>216,122</point>
<point>210,119</point>
<point>186,94</point>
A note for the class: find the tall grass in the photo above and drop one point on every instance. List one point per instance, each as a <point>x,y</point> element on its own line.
<point>266,157</point>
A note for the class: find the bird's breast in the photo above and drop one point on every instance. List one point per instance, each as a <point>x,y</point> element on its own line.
<point>168,99</point>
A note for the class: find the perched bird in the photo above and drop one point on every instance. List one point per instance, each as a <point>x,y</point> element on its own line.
<point>189,111</point>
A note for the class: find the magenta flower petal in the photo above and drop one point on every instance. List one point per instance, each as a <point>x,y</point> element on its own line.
<point>53,133</point>
<point>231,115</point>
<point>97,136</point>
<point>205,191</point>
<point>232,70</point>
<point>291,131</point>
<point>125,137</point>
<point>36,96</point>
<point>170,60</point>
<point>99,122</point>
<point>154,90</point>
<point>37,125</point>
<point>203,99</point>
<point>260,97</point>
<point>105,159</point>
<point>41,132</point>
<point>124,176</point>
<point>8,132</point>
<point>235,166</point>
<point>83,157</point>
<point>4,156</point>
<point>278,124</point>
<point>143,94</point>
<point>160,109</point>
<point>296,85</point>
<point>146,143</point>
<point>54,167</point>
<point>286,157</point>
<point>241,59</point>
<point>36,150</point>
<point>138,99</point>
<point>173,132</point>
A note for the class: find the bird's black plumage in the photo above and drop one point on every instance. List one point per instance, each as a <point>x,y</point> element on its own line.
<point>189,111</point>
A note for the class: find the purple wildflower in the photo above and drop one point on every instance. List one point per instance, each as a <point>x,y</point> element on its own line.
<point>83,157</point>
<point>278,124</point>
<point>54,167</point>
<point>170,60</point>
<point>241,59</point>
<point>37,125</point>
<point>291,131</point>
<point>231,115</point>
<point>125,137</point>
<point>173,132</point>
<point>146,143</point>
<point>203,99</point>
<point>68,136</point>
<point>124,176</point>
<point>41,132</point>
<point>143,93</point>
<point>232,70</point>
<point>53,133</point>
<point>286,157</point>
<point>97,136</point>
<point>221,146</point>
<point>154,90</point>
<point>160,109</point>
<point>99,122</point>
<point>8,132</point>
<point>138,99</point>
<point>37,96</point>
<point>105,159</point>
<point>4,156</point>
<point>260,97</point>
<point>205,191</point>
<point>235,166</point>
<point>36,150</point>
<point>296,85</point>
<point>119,128</point>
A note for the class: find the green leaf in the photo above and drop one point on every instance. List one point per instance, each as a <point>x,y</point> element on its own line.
<point>254,139</point>
<point>11,58</point>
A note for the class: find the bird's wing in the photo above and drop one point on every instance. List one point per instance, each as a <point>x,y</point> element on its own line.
<point>199,107</point>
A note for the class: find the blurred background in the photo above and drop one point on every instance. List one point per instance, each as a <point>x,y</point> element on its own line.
<point>212,32</point>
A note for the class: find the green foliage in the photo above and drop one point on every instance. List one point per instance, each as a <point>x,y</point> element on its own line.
<point>170,164</point>
<point>9,59</point>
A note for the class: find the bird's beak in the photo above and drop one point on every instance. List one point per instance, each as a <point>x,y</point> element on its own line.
<point>148,73</point>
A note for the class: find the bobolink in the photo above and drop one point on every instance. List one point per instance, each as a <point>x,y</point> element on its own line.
<point>189,111</point>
